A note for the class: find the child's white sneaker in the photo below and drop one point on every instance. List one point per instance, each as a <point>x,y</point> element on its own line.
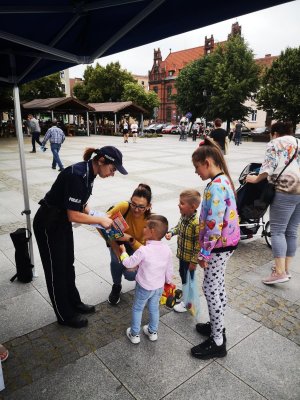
<point>134,339</point>
<point>151,335</point>
<point>180,307</point>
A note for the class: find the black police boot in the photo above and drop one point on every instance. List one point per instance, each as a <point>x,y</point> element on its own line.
<point>85,308</point>
<point>114,296</point>
<point>75,322</point>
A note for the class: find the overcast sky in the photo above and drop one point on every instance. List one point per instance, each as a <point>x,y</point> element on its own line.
<point>269,31</point>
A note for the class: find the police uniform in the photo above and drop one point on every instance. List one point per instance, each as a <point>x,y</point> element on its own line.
<point>54,235</point>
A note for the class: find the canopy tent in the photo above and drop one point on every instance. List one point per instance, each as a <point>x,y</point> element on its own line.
<point>39,38</point>
<point>58,105</point>
<point>114,108</point>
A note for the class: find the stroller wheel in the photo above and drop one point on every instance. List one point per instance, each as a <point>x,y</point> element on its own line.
<point>267,234</point>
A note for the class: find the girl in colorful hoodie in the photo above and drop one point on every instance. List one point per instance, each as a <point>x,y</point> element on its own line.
<point>219,237</point>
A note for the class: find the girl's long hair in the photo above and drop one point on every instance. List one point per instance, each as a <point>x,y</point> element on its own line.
<point>209,149</point>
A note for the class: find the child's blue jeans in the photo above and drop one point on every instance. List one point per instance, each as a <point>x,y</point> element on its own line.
<point>141,298</point>
<point>183,270</point>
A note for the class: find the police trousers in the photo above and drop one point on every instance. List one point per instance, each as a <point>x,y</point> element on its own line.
<point>56,247</point>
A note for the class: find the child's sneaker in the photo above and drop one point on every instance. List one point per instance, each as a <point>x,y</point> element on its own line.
<point>180,307</point>
<point>134,339</point>
<point>151,335</point>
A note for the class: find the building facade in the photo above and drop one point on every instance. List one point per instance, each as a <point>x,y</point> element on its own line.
<point>163,75</point>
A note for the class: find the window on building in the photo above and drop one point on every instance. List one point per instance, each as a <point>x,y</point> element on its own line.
<point>253,116</point>
<point>62,74</point>
<point>63,87</point>
<point>142,83</point>
<point>169,114</point>
<point>155,89</point>
<point>169,92</point>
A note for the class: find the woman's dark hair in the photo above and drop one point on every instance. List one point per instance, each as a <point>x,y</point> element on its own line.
<point>282,128</point>
<point>143,190</point>
<point>209,149</point>
<point>88,154</point>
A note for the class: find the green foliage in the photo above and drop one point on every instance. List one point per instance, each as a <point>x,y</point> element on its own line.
<point>229,76</point>
<point>136,93</point>
<point>280,90</point>
<point>43,88</point>
<point>103,84</point>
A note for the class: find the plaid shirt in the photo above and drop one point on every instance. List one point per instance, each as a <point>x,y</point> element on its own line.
<point>188,245</point>
<point>55,135</point>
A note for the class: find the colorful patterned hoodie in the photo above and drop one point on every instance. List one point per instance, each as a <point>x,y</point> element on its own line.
<point>219,220</point>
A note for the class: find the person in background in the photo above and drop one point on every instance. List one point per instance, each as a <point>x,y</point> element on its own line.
<point>238,133</point>
<point>125,131</point>
<point>195,130</point>
<point>65,203</point>
<point>285,208</point>
<point>135,212</point>
<point>219,134</point>
<point>219,237</point>
<point>35,131</point>
<point>155,268</point>
<point>56,137</point>
<point>187,231</point>
<point>134,130</point>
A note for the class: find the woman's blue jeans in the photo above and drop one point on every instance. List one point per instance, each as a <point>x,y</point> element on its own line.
<point>117,269</point>
<point>284,223</point>
<point>141,298</point>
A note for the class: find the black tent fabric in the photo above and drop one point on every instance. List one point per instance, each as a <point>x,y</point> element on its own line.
<point>38,38</point>
<point>42,37</point>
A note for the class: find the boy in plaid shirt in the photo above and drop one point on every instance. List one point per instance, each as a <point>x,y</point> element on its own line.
<point>187,231</point>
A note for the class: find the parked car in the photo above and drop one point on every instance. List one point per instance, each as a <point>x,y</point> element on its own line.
<point>170,129</point>
<point>260,131</point>
<point>147,129</point>
<point>245,131</point>
<point>297,133</point>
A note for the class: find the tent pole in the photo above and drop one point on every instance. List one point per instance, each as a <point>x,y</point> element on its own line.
<point>115,123</point>
<point>142,122</point>
<point>87,124</point>
<point>95,125</point>
<point>27,211</point>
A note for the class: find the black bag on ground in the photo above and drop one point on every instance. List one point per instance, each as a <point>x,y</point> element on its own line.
<point>23,264</point>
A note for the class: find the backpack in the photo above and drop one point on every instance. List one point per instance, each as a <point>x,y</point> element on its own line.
<point>23,263</point>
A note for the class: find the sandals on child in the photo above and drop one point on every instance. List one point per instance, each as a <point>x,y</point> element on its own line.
<point>3,353</point>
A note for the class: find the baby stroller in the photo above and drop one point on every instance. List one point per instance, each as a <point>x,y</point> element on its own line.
<point>250,208</point>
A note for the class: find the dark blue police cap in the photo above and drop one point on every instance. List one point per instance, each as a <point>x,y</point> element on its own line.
<point>114,155</point>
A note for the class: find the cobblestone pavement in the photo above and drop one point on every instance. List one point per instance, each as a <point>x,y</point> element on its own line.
<point>42,351</point>
<point>45,350</point>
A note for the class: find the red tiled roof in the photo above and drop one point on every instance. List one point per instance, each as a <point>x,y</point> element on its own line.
<point>179,59</point>
<point>266,61</point>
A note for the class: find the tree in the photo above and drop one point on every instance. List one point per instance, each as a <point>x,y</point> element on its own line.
<point>280,90</point>
<point>43,88</point>
<point>103,84</point>
<point>228,76</point>
<point>136,93</point>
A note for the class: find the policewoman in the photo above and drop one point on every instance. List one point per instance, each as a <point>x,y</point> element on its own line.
<point>66,202</point>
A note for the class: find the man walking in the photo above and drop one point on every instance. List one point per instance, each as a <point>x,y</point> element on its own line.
<point>35,131</point>
<point>56,137</point>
